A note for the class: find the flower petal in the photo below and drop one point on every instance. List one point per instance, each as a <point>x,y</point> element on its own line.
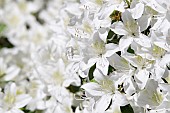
<point>22,100</point>
<point>125,42</point>
<point>119,28</point>
<point>93,89</point>
<point>137,11</point>
<point>103,103</point>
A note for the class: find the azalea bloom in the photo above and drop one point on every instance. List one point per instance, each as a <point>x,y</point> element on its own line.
<point>13,99</point>
<point>8,73</point>
<point>105,88</point>
<point>131,29</point>
<point>85,56</point>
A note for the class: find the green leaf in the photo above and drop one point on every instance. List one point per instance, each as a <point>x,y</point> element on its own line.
<point>2,27</point>
<point>111,69</point>
<point>126,109</point>
<point>73,89</point>
<point>110,34</point>
<point>28,111</point>
<point>4,42</point>
<point>147,31</point>
<point>90,74</point>
<point>112,37</point>
<point>38,19</point>
<point>130,50</point>
<point>93,80</point>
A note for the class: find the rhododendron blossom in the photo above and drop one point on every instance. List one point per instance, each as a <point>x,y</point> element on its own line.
<point>85,56</point>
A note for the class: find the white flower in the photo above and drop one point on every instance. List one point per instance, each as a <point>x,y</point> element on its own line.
<point>130,28</point>
<point>99,51</point>
<point>8,73</point>
<point>151,95</point>
<point>36,88</point>
<point>105,88</point>
<point>51,75</point>
<point>13,99</point>
<point>116,58</point>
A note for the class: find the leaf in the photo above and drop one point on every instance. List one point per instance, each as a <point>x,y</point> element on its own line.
<point>2,27</point>
<point>110,34</point>
<point>73,89</point>
<point>93,80</point>
<point>111,69</point>
<point>126,109</point>
<point>38,19</point>
<point>112,37</point>
<point>28,111</point>
<point>4,42</point>
<point>130,50</point>
<point>90,74</point>
<point>147,31</point>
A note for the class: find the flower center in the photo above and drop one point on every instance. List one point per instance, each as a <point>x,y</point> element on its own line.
<point>14,20</point>
<point>131,27</point>
<point>2,73</point>
<point>22,6</point>
<point>143,62</point>
<point>58,78</point>
<point>9,98</point>
<point>107,86</point>
<point>157,51</point>
<point>99,47</point>
<point>157,97</point>
<point>87,27</point>
<point>99,2</point>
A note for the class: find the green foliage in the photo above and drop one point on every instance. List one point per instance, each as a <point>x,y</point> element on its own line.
<point>112,37</point>
<point>111,69</point>
<point>73,89</point>
<point>2,28</point>
<point>28,111</point>
<point>90,74</point>
<point>36,15</point>
<point>130,50</point>
<point>147,31</point>
<point>4,42</point>
<point>126,109</point>
<point>93,80</point>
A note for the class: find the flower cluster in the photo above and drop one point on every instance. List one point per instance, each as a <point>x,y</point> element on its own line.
<point>85,56</point>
